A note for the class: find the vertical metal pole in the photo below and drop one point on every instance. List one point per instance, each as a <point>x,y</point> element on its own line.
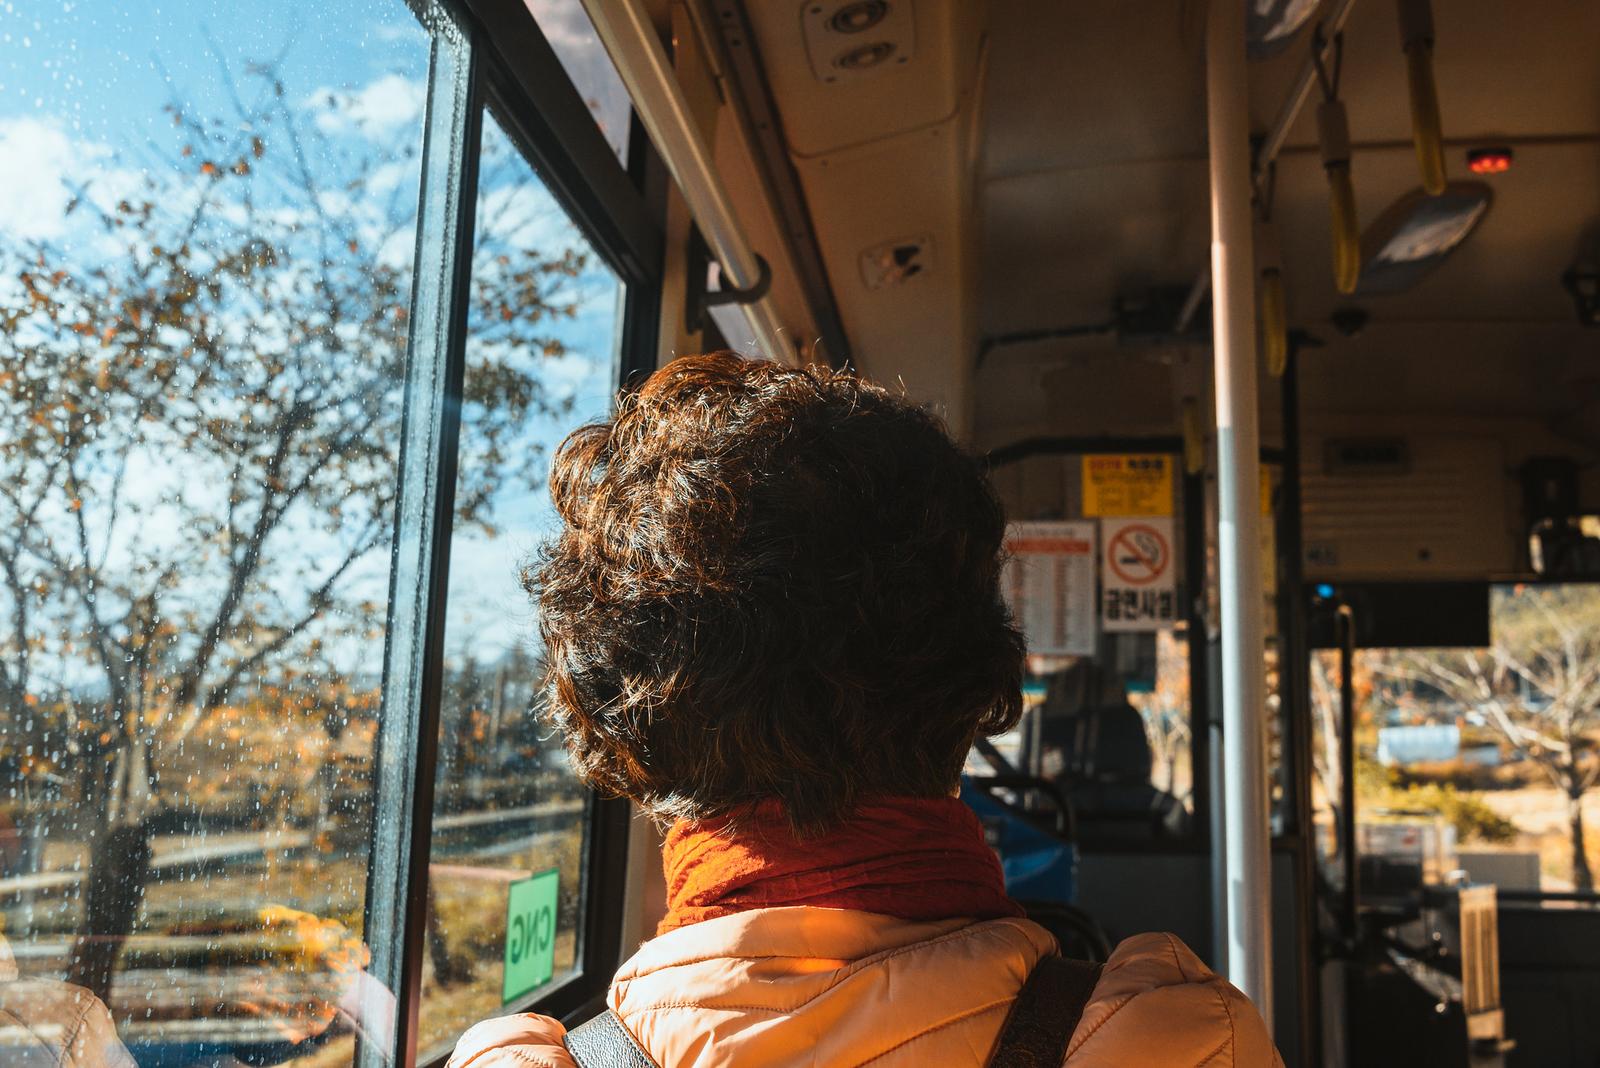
<point>1294,669</point>
<point>1219,809</point>
<point>1347,776</point>
<point>1249,927</point>
<point>1194,587</point>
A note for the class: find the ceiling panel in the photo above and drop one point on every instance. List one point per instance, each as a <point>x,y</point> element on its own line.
<point>1058,247</point>
<point>1089,84</point>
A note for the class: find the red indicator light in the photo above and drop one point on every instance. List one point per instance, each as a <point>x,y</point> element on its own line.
<point>1489,160</point>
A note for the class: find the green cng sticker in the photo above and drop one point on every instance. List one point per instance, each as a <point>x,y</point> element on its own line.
<point>530,933</point>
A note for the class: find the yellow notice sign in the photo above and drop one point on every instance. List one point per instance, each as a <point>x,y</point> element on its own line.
<point>1127,485</point>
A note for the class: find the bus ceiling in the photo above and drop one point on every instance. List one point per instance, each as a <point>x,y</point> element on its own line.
<point>950,175</point>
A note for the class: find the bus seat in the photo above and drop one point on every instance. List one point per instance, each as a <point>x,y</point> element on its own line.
<point>1105,770</point>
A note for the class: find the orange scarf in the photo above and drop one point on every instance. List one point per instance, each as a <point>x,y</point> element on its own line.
<point>915,858</point>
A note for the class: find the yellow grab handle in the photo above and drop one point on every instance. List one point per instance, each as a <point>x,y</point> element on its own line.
<point>1426,130</point>
<point>1346,232</point>
<point>1274,322</point>
<point>1333,134</point>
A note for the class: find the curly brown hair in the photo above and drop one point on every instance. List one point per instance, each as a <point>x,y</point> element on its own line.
<point>772,584</point>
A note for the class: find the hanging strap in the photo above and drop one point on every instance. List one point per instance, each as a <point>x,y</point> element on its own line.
<point>604,1043</point>
<point>1046,1013</point>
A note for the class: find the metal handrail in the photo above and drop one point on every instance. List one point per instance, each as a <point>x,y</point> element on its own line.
<point>630,39</point>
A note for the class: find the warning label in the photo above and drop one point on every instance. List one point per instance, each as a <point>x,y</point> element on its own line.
<point>1138,582</point>
<point>1127,485</point>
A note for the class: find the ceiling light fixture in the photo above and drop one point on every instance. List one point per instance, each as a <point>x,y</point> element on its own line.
<point>1417,233</point>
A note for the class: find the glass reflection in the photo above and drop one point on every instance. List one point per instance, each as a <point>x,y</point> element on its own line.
<point>565,24</point>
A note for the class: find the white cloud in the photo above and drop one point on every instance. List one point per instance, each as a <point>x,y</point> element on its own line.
<point>403,30</point>
<point>36,158</point>
<point>44,169</point>
<point>388,177</point>
<point>381,106</point>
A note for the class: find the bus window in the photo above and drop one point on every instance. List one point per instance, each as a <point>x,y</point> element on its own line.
<point>1478,760</point>
<point>207,223</point>
<point>542,344</point>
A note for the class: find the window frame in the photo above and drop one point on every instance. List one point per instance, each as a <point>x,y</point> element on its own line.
<point>472,70</point>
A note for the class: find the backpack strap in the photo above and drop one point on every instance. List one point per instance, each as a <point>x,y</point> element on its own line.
<point>1045,1014</point>
<point>604,1042</point>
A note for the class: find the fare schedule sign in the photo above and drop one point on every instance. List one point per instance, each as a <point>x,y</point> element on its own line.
<point>1138,580</point>
<point>1050,585</point>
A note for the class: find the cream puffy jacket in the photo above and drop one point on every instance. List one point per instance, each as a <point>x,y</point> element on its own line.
<point>832,988</point>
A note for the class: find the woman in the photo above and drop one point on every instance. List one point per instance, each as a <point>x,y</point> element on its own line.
<point>773,619</point>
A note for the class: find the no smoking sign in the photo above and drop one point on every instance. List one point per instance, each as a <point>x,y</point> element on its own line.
<point>1138,587</point>
<point>1140,554</point>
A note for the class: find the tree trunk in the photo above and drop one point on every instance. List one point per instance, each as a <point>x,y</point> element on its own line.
<point>1582,874</point>
<point>119,864</point>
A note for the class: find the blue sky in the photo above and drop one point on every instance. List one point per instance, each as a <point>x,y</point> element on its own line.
<point>83,85</point>
<point>105,67</point>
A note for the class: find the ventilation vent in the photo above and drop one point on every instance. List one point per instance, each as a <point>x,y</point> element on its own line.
<point>852,39</point>
<point>896,262</point>
<point>1366,456</point>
